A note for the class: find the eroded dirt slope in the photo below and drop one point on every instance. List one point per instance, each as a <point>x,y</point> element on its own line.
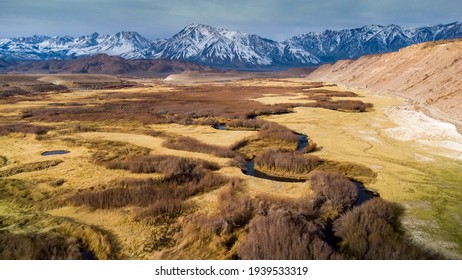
<point>428,74</point>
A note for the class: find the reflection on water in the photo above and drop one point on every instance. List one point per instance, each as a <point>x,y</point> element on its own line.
<point>363,193</point>
<point>250,170</point>
<point>55,152</point>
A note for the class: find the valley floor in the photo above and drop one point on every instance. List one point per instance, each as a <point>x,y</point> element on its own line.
<point>416,159</point>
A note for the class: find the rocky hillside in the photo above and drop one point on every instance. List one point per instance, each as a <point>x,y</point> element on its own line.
<point>331,45</point>
<point>427,73</point>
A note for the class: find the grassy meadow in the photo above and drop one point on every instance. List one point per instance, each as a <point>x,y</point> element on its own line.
<point>148,176</point>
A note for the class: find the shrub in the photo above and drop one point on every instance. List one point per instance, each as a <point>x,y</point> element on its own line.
<point>281,161</point>
<point>3,161</point>
<point>38,246</point>
<point>173,167</point>
<point>344,105</point>
<point>192,145</point>
<point>145,192</point>
<point>369,232</point>
<point>24,128</point>
<point>29,167</point>
<point>183,178</point>
<point>252,124</point>
<point>168,208</point>
<point>311,147</point>
<point>335,189</point>
<point>235,210</point>
<point>277,132</point>
<point>330,93</point>
<point>284,235</point>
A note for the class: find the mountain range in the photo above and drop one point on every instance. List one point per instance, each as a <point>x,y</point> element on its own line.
<point>211,46</point>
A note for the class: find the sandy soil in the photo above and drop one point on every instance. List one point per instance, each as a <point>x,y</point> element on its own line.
<point>425,73</point>
<point>418,127</point>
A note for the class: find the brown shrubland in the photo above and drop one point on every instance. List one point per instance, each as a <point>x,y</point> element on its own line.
<point>285,235</point>
<point>297,230</point>
<point>341,105</point>
<point>193,145</point>
<point>334,187</point>
<point>38,246</point>
<point>183,178</point>
<point>370,232</point>
<point>24,128</point>
<point>351,170</point>
<point>29,167</point>
<point>184,106</point>
<point>286,162</point>
<point>251,124</point>
<point>329,93</point>
<point>327,225</point>
<point>168,208</point>
<point>334,194</point>
<point>277,132</point>
<point>144,192</point>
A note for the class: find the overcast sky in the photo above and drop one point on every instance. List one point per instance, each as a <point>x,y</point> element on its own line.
<point>274,19</point>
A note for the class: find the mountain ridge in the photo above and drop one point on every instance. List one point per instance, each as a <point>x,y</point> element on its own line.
<point>222,48</point>
<point>105,64</point>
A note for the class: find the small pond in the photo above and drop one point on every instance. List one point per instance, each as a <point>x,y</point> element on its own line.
<point>363,193</point>
<point>219,126</point>
<point>302,142</point>
<point>55,152</point>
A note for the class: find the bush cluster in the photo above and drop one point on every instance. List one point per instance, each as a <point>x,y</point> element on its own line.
<point>328,225</point>
<point>38,246</point>
<point>183,178</point>
<point>286,162</point>
<point>192,145</point>
<point>24,128</point>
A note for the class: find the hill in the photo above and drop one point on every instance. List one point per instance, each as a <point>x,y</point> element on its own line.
<point>428,74</point>
<point>105,64</point>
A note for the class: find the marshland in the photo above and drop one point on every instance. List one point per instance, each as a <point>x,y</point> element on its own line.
<point>101,167</point>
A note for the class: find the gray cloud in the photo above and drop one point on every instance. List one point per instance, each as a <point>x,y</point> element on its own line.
<point>269,18</point>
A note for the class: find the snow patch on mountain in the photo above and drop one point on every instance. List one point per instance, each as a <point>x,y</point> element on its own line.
<point>208,45</point>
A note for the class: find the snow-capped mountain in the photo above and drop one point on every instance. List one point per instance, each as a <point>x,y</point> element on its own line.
<point>217,47</point>
<point>205,44</point>
<point>330,45</point>
<point>130,45</point>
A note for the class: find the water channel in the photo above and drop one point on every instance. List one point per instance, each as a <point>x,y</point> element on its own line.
<point>249,169</point>
<point>55,152</point>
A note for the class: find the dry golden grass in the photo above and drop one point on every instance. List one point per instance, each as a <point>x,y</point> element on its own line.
<point>350,142</point>
<point>407,172</point>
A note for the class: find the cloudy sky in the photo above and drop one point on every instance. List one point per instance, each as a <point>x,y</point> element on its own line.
<point>274,19</point>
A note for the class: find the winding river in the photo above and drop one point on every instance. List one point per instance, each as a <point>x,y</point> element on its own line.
<point>249,169</point>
